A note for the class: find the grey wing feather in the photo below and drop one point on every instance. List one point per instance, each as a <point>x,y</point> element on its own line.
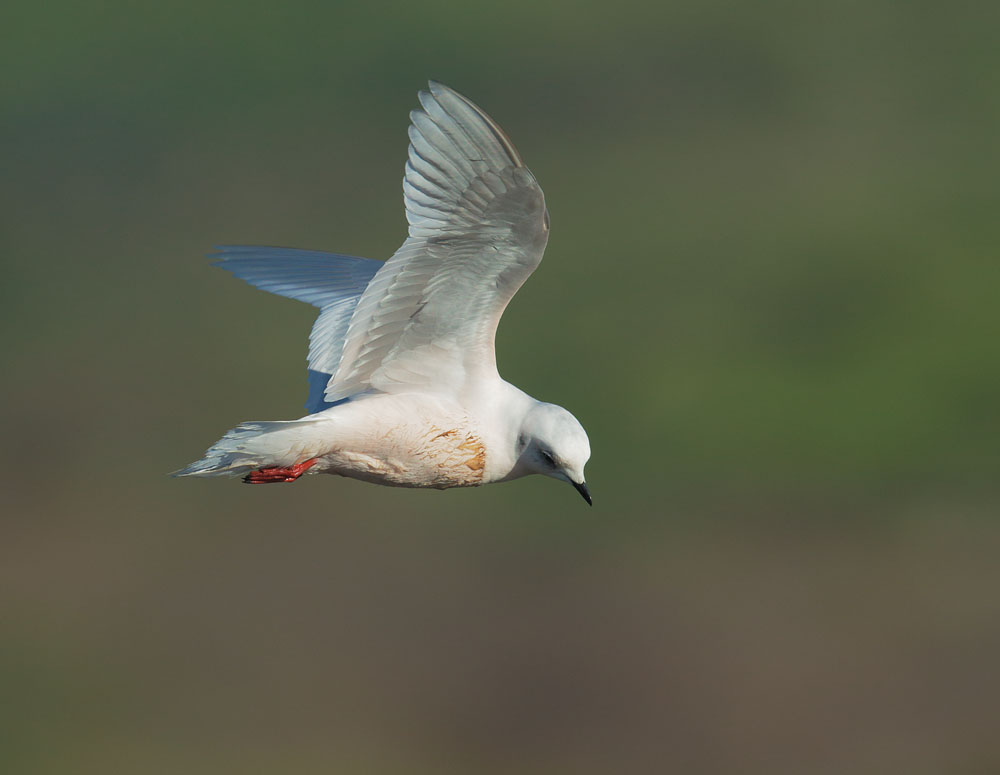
<point>477,229</point>
<point>311,276</point>
<point>332,282</point>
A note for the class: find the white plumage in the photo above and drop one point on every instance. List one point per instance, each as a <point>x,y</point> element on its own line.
<point>404,388</point>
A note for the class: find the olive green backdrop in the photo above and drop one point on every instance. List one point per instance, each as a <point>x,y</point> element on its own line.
<point>770,295</point>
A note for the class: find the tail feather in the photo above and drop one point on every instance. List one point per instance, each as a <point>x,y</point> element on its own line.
<point>253,445</point>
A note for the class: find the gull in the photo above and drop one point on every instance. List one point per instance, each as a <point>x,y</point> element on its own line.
<point>403,381</point>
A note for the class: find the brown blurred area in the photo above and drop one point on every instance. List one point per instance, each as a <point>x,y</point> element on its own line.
<point>305,631</point>
<point>770,296</point>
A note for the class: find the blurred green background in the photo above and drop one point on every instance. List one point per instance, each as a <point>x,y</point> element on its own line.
<point>770,295</point>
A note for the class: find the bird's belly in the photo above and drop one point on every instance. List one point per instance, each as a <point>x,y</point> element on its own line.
<point>434,456</point>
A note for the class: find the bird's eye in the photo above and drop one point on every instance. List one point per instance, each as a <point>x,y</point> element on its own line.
<point>548,458</point>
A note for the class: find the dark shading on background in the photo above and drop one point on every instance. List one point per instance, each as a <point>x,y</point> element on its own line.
<point>770,295</point>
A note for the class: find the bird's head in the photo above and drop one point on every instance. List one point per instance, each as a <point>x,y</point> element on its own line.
<point>552,442</point>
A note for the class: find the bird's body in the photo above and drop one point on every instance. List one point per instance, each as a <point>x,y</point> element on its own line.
<point>404,388</point>
<point>404,440</point>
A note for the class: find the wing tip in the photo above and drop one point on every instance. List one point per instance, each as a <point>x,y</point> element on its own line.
<point>439,90</point>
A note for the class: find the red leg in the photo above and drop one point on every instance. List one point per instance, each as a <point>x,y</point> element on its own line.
<point>278,474</point>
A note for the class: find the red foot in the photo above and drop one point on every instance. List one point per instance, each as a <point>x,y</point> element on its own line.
<point>276,474</point>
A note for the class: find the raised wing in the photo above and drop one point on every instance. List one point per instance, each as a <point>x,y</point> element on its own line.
<point>478,227</point>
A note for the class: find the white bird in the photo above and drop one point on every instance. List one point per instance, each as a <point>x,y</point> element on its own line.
<point>404,387</point>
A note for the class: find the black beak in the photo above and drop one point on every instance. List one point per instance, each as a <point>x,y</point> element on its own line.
<point>581,487</point>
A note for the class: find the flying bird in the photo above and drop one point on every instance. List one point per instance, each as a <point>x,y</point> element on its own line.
<point>403,382</point>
